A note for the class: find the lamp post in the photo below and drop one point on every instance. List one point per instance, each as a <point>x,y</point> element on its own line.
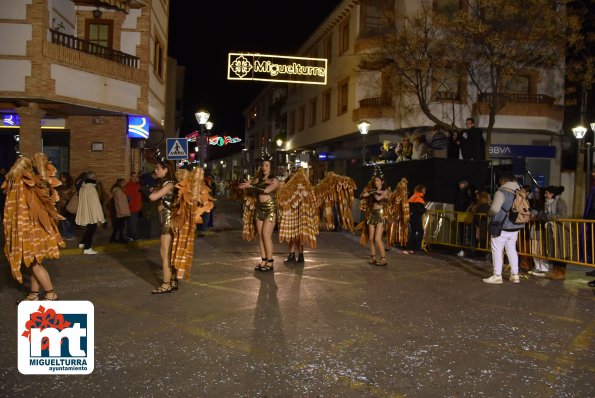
<point>202,117</point>
<point>579,133</point>
<point>363,126</point>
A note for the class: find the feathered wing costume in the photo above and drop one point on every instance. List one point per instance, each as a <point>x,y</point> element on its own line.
<point>298,207</point>
<point>336,192</point>
<point>30,217</point>
<point>397,226</point>
<point>193,199</point>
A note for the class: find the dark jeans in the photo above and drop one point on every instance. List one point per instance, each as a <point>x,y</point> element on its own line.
<point>416,235</point>
<point>88,235</point>
<point>131,225</point>
<point>118,228</point>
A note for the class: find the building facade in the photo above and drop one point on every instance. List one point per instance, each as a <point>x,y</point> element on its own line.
<point>319,122</point>
<point>83,81</point>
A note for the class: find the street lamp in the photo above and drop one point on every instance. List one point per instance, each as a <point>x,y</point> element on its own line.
<point>579,133</point>
<point>363,126</point>
<point>202,117</point>
<point>279,142</point>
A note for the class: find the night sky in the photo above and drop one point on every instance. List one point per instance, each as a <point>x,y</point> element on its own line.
<point>202,33</point>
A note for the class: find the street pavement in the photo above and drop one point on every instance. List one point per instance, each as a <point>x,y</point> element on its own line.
<point>424,326</point>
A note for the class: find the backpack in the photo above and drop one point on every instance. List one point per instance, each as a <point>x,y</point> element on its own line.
<point>520,212</point>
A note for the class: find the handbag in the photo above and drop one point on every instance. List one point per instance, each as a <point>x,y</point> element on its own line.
<point>495,228</point>
<point>73,204</point>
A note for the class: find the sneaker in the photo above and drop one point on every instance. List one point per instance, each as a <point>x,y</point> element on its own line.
<point>81,245</point>
<point>535,272</point>
<point>590,273</point>
<point>461,253</point>
<point>515,278</point>
<point>494,280</point>
<point>89,251</point>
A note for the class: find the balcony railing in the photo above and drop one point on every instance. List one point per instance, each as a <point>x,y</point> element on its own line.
<point>88,47</point>
<point>519,98</point>
<point>377,101</point>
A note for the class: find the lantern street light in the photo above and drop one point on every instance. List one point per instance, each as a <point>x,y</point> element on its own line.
<point>579,133</point>
<point>202,117</point>
<point>363,126</point>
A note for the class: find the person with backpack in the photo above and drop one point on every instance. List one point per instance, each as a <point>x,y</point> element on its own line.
<point>504,232</point>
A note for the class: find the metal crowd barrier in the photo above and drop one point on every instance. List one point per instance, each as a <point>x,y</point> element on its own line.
<point>565,240</point>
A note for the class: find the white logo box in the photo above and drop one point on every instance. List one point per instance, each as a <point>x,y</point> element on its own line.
<point>45,324</point>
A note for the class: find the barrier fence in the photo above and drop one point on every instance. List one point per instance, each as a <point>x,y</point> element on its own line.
<point>564,240</point>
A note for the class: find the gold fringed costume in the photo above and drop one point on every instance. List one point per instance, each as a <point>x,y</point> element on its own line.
<point>254,209</point>
<point>248,227</point>
<point>192,200</point>
<point>397,212</point>
<point>371,216</point>
<point>298,206</point>
<point>30,217</point>
<point>336,194</point>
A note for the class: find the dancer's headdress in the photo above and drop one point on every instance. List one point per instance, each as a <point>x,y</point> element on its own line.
<point>378,172</point>
<point>265,155</point>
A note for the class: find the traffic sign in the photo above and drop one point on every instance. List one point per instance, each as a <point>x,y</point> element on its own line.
<point>177,148</point>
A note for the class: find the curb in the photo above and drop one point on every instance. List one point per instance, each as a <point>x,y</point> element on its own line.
<point>112,247</point>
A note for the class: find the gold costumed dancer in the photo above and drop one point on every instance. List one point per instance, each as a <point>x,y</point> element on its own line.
<point>192,200</point>
<point>298,208</point>
<point>374,198</point>
<point>260,211</point>
<point>31,222</point>
<point>397,214</point>
<point>336,196</point>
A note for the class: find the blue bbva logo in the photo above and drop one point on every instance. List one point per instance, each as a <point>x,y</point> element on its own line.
<point>56,338</point>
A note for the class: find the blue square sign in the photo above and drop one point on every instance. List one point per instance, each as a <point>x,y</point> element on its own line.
<point>177,148</point>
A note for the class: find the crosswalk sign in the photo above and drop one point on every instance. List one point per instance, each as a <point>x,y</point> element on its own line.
<point>177,148</point>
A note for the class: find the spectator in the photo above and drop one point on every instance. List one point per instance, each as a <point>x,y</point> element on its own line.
<point>537,234</point>
<point>406,149</point>
<point>420,146</point>
<point>438,143</point>
<point>509,231</point>
<point>473,146</point>
<point>133,193</point>
<point>555,208</point>
<point>480,218</point>
<point>89,212</point>
<point>66,191</point>
<point>120,211</point>
<point>525,240</point>
<point>461,205</point>
<point>417,209</point>
<point>453,149</point>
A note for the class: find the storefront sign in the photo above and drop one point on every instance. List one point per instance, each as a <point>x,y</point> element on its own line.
<point>276,68</point>
<point>138,127</point>
<point>522,151</point>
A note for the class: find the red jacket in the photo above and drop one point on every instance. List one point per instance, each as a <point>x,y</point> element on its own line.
<point>132,190</point>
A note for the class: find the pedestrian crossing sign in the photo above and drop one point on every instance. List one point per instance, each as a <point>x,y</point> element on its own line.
<point>177,148</point>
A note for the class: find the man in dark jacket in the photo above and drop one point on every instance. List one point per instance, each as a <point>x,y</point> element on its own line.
<point>472,142</point>
<point>461,204</point>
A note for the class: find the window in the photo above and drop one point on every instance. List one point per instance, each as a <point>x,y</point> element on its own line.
<point>312,112</point>
<point>100,32</point>
<point>291,124</point>
<point>326,106</point>
<point>342,96</point>
<point>448,84</point>
<point>344,37</point>
<point>301,117</point>
<point>328,49</point>
<point>517,84</point>
<point>372,14</point>
<point>159,59</point>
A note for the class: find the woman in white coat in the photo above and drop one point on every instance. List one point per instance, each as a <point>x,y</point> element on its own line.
<point>89,212</point>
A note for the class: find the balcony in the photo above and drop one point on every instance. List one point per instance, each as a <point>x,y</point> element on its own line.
<point>83,55</point>
<point>374,108</point>
<point>94,49</point>
<point>535,105</point>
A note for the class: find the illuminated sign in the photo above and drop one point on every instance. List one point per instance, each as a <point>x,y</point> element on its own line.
<point>218,140</point>
<point>11,120</point>
<point>138,127</point>
<point>276,68</point>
